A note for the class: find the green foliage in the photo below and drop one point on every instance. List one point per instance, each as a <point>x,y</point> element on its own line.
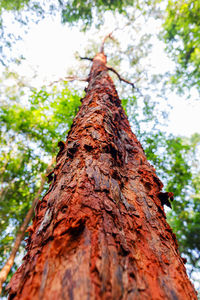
<point>13,4</point>
<point>176,160</point>
<point>30,130</point>
<point>175,166</point>
<point>185,215</point>
<point>43,119</point>
<point>75,10</point>
<point>182,36</point>
<point>71,10</point>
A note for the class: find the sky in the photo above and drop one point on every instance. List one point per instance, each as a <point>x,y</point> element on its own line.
<point>49,49</point>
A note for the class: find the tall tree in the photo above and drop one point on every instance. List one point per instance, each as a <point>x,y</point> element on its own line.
<point>15,199</point>
<point>100,232</point>
<point>182,37</point>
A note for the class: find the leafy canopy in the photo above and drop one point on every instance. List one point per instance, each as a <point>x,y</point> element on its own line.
<point>182,37</point>
<point>180,27</point>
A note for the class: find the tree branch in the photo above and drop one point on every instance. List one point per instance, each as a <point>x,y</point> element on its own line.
<point>69,78</point>
<point>104,40</point>
<point>120,78</point>
<point>87,58</point>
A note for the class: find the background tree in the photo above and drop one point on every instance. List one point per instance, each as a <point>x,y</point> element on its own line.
<point>29,137</point>
<point>182,37</point>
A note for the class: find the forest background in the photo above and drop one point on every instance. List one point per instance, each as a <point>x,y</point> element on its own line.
<point>154,44</point>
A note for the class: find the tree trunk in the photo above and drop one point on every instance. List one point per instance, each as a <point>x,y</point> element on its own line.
<point>21,233</point>
<point>100,232</point>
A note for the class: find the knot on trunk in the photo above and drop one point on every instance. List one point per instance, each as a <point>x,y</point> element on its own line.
<point>165,198</point>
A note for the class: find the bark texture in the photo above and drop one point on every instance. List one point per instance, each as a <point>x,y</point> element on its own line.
<point>100,232</point>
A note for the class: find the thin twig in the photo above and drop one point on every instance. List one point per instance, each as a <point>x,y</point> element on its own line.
<point>68,78</point>
<point>87,58</point>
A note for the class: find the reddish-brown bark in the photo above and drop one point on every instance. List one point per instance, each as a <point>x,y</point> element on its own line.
<point>100,232</point>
